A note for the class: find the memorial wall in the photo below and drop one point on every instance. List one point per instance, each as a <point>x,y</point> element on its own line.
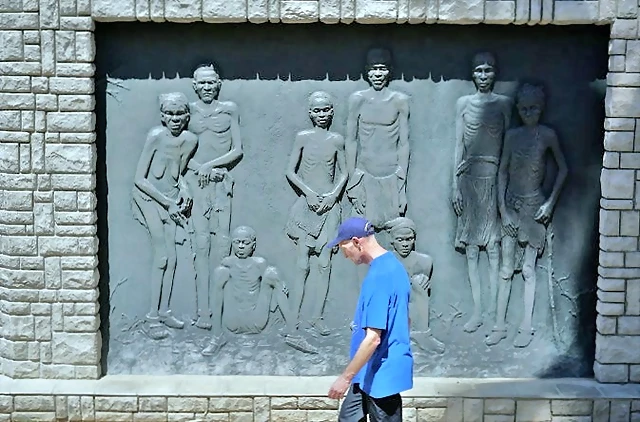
<point>229,154</point>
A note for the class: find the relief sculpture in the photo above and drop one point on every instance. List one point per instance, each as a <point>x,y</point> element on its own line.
<point>481,121</point>
<point>420,268</point>
<point>216,123</point>
<point>161,198</point>
<point>524,209</point>
<point>247,291</point>
<point>317,169</point>
<point>378,123</point>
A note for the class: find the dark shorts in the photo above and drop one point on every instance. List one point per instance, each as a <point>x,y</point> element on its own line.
<point>357,405</point>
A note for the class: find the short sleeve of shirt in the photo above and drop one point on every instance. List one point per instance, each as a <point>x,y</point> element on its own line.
<point>376,310</point>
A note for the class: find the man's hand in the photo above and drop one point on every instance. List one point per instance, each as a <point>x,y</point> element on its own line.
<point>313,201</point>
<point>339,388</point>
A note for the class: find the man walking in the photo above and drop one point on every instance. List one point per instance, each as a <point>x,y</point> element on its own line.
<point>381,365</point>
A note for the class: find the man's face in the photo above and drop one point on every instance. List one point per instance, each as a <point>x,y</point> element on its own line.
<point>174,116</point>
<point>352,250</point>
<point>378,75</point>
<point>483,76</point>
<point>529,111</point>
<point>206,83</point>
<point>404,242</point>
<point>243,245</point>
<point>321,112</point>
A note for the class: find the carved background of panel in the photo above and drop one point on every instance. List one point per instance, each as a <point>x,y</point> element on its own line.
<point>270,171</point>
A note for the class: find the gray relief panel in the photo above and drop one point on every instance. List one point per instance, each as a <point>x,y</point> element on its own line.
<point>229,154</point>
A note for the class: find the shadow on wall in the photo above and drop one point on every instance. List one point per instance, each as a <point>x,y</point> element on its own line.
<point>143,51</point>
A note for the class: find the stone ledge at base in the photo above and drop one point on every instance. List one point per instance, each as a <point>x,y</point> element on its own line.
<point>277,386</point>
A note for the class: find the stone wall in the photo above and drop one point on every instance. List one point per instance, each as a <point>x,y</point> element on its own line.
<point>48,245</point>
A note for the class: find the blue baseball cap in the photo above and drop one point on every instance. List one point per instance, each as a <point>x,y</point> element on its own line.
<point>350,228</point>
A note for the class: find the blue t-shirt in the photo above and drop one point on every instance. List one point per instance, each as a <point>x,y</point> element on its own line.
<point>384,304</point>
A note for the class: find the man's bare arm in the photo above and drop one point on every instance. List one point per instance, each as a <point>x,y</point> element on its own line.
<point>369,344</point>
<point>503,173</point>
<point>562,169</point>
<point>341,168</point>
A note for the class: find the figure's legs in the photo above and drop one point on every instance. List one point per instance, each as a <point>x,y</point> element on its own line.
<point>220,278</point>
<point>159,260</point>
<point>525,333</point>
<point>201,256</point>
<point>493,253</point>
<point>302,272</point>
<point>419,312</point>
<point>473,252</point>
<point>320,290</point>
<point>222,239</point>
<point>168,277</point>
<point>506,275</point>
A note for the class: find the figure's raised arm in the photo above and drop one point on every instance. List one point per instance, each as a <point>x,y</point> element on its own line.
<point>142,170</point>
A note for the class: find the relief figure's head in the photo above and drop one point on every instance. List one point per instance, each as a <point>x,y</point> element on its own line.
<point>403,235</point>
<point>484,71</point>
<point>243,242</point>
<point>530,103</point>
<point>321,109</point>
<point>378,68</point>
<point>174,112</point>
<point>207,83</point>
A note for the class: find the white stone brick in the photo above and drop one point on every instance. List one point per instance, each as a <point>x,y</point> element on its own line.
<point>49,14</point>
<point>609,222</point>
<point>156,10</point>
<point>620,410</point>
<point>533,410</point>
<point>618,244</point>
<point>86,47</point>
<point>622,102</point>
<point>55,246</point>
<point>76,348</point>
<point>606,325</point>
<point>77,23</point>
<point>20,68</point>
<point>43,218</point>
<point>10,120</point>
<point>330,12</point>
<point>624,29</point>
<point>453,11</point>
<point>611,160</point>
<point>17,101</point>
<point>116,404</point>
<point>610,309</point>
<point>87,103</point>
<point>43,328</point>
<point>15,84</point>
<point>113,10</point>
<point>80,279</point>
<point>629,325</point>
<point>619,141</point>
<point>299,11</point>
<point>575,12</point>
<point>11,45</point>
<point>187,404</point>
<point>80,182</point>
<point>42,309</point>
<point>630,223</point>
<point>46,102</point>
<point>77,138</point>
<point>65,46</point>
<point>19,21</point>
<point>71,122</point>
<point>70,158</point>
<point>627,9</point>
<point>32,53</point>
<point>611,297</point>
<point>18,327</point>
<point>617,184</point>
<point>183,10</point>
<point>71,85</point>
<point>224,10</point>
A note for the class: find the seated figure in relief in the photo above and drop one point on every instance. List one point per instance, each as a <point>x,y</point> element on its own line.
<point>420,267</point>
<point>524,209</point>
<point>161,198</point>
<point>317,169</point>
<point>247,291</point>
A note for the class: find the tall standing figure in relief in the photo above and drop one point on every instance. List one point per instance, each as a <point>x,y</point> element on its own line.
<point>481,121</point>
<point>419,266</point>
<point>378,122</point>
<point>219,145</point>
<point>161,198</point>
<point>524,209</point>
<point>317,168</point>
<point>250,291</point>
